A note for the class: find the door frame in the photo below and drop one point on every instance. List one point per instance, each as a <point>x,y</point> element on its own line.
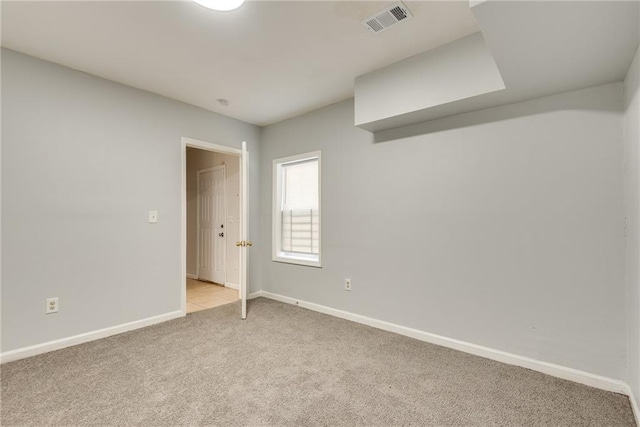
<point>224,202</point>
<point>207,146</point>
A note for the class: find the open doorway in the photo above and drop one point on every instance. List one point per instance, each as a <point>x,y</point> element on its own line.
<point>213,226</point>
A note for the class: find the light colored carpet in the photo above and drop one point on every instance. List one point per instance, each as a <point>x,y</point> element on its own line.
<point>286,366</point>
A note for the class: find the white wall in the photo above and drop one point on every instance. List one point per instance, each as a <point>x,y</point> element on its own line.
<point>632,187</point>
<point>83,161</point>
<point>201,159</point>
<point>502,227</point>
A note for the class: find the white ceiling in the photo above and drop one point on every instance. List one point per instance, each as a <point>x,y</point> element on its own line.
<point>272,60</point>
<point>540,48</point>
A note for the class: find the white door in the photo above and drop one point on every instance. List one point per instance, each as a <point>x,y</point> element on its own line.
<point>244,243</point>
<point>211,220</point>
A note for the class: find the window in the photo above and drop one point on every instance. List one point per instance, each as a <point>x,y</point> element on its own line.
<point>296,209</point>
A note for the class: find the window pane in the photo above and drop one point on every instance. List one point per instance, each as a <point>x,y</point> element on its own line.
<point>300,215</point>
<point>300,185</point>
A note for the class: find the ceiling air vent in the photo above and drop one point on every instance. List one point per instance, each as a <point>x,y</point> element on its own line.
<point>387,17</point>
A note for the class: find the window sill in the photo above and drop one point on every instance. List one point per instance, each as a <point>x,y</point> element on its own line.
<point>308,261</point>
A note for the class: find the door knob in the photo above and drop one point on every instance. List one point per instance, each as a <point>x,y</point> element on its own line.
<point>221,234</point>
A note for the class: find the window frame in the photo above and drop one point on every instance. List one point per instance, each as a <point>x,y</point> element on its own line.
<point>278,255</point>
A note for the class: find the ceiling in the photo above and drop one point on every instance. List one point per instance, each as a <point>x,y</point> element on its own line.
<point>540,48</point>
<point>272,60</point>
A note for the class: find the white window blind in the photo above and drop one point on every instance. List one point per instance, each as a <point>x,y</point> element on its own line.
<point>297,211</point>
<point>300,227</point>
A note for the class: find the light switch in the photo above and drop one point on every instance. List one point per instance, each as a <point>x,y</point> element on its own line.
<point>153,217</point>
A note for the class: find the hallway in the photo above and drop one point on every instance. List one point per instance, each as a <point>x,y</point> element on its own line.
<point>203,295</point>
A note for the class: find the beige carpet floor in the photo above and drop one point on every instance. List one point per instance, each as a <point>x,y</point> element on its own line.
<point>286,366</point>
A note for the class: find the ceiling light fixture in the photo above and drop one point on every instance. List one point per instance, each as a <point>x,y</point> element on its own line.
<point>220,5</point>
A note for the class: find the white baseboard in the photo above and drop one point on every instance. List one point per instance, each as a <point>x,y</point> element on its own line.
<point>192,276</point>
<point>582,377</point>
<point>253,295</point>
<point>21,353</point>
<point>231,285</point>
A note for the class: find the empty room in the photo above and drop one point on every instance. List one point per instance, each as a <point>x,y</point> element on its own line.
<point>320,213</point>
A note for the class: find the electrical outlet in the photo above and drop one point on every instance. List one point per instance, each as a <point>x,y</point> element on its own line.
<point>347,284</point>
<point>52,305</point>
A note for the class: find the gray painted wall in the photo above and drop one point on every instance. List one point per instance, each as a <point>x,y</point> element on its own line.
<point>402,91</point>
<point>83,161</point>
<point>502,227</point>
<point>198,160</point>
<point>632,187</point>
